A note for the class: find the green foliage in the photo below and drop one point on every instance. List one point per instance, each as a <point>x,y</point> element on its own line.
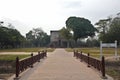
<point>37,38</point>
<point>81,27</point>
<point>102,25</point>
<point>10,38</point>
<point>92,43</point>
<point>65,33</point>
<point>113,32</point>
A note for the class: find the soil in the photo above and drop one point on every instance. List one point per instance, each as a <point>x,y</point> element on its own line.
<point>113,68</point>
<point>7,68</point>
<point>5,76</point>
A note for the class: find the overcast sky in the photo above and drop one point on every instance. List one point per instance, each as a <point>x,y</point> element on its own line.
<point>52,14</point>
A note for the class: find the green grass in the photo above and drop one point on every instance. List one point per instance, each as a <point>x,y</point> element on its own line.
<point>95,52</point>
<point>10,57</point>
<point>13,56</point>
<point>27,50</point>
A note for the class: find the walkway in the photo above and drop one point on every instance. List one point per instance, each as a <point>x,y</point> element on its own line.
<point>61,65</point>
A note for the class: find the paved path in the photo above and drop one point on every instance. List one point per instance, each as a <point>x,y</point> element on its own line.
<point>61,65</point>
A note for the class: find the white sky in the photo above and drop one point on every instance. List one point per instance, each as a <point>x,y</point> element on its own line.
<point>52,14</point>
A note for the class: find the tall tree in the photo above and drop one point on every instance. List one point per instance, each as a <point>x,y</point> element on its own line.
<point>65,33</point>
<point>81,27</point>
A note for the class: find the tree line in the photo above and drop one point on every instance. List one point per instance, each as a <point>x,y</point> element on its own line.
<point>37,38</point>
<point>109,29</point>
<point>76,31</point>
<point>12,38</point>
<point>106,30</point>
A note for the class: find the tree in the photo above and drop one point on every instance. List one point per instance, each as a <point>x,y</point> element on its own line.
<point>91,42</point>
<point>37,37</point>
<point>81,27</point>
<point>65,33</point>
<point>16,38</point>
<point>10,38</point>
<point>113,32</point>
<point>103,25</point>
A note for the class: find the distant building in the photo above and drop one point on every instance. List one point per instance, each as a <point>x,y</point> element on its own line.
<point>56,40</point>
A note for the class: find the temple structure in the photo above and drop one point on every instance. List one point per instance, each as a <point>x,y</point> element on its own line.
<point>56,39</point>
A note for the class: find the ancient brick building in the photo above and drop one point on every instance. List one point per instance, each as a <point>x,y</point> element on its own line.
<point>56,39</point>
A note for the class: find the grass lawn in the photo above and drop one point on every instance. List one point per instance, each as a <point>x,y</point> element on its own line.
<point>95,52</point>
<point>10,57</point>
<point>27,50</point>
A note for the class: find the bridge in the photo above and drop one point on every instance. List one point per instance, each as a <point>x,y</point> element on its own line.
<point>60,65</point>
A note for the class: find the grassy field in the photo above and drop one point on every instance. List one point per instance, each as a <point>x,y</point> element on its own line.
<point>9,57</point>
<point>95,52</point>
<point>27,50</point>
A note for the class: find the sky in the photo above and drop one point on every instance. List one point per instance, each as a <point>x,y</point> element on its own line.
<point>25,15</point>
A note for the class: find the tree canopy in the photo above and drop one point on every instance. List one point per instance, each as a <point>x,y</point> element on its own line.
<point>65,33</point>
<point>103,25</point>
<point>10,38</point>
<point>37,37</point>
<point>81,27</point>
<point>113,32</point>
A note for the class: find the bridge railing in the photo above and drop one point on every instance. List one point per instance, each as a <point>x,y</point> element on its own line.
<point>96,63</point>
<point>23,64</point>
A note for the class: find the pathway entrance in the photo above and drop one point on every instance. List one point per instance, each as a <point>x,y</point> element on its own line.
<point>61,65</point>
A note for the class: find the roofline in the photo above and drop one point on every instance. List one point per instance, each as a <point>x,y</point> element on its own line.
<point>55,31</point>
